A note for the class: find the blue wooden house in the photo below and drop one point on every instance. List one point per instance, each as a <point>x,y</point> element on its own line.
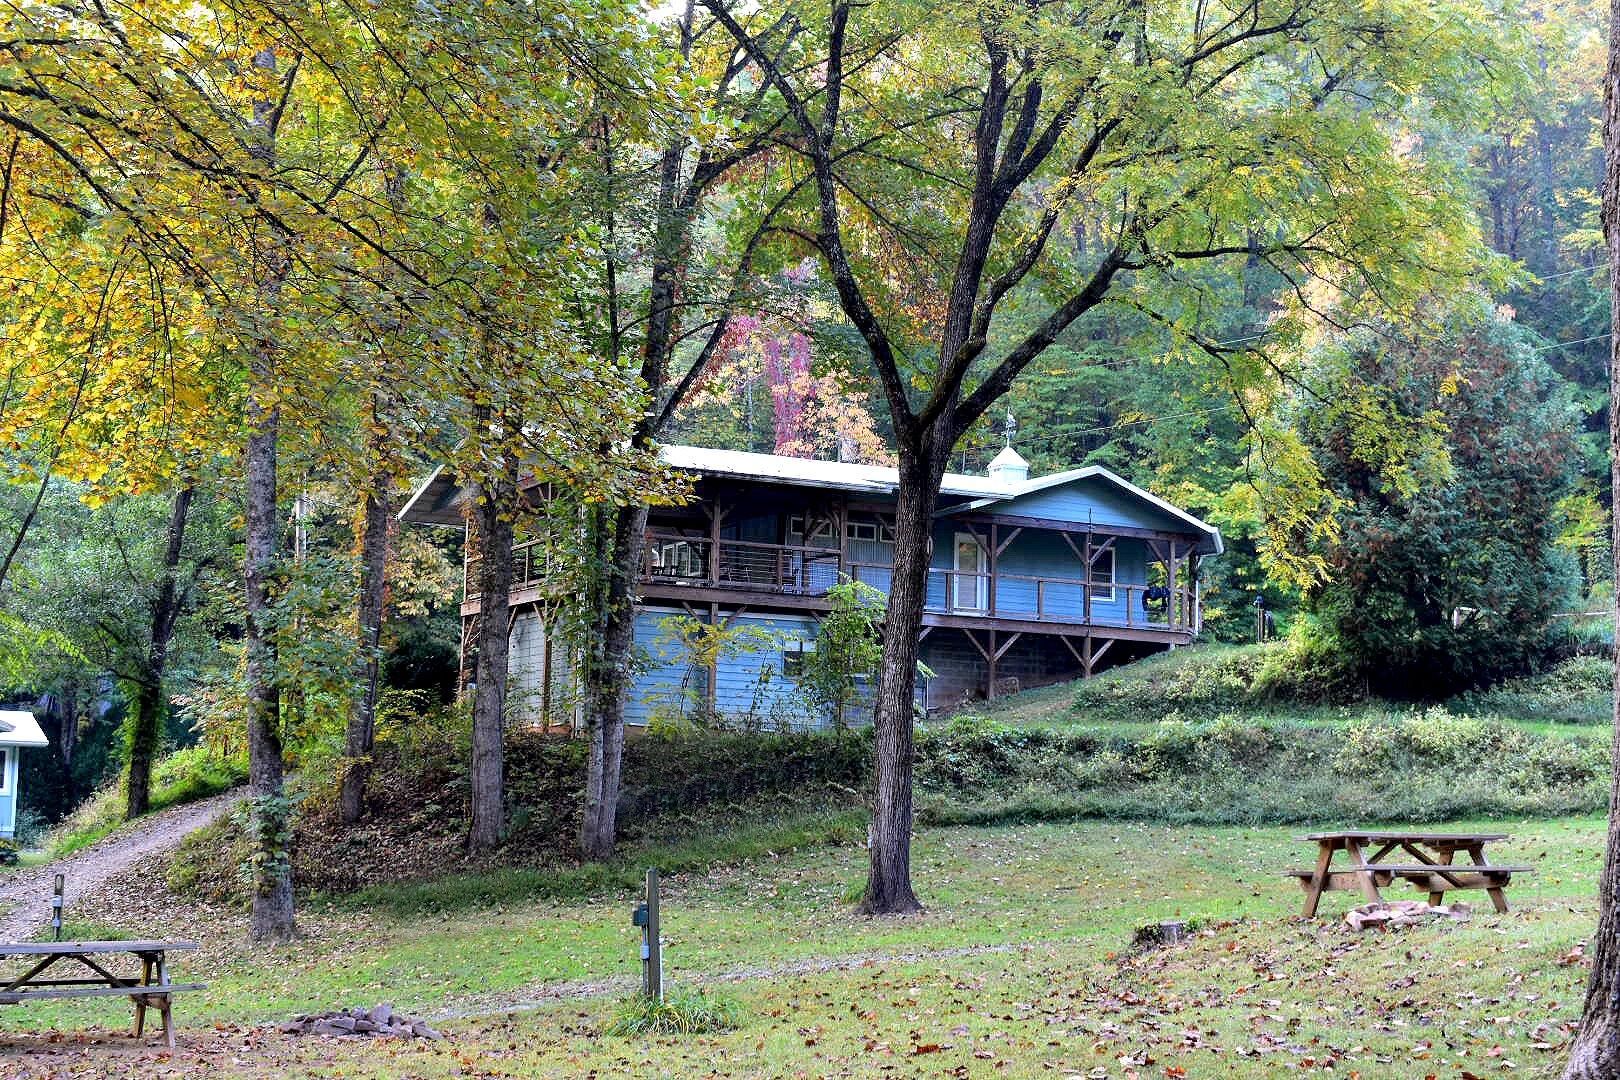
<point>17,731</point>
<point>1035,580</point>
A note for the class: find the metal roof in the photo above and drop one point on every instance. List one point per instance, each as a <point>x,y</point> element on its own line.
<point>436,501</point>
<point>20,729</point>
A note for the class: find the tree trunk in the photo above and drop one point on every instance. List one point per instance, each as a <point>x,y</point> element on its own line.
<point>888,883</point>
<point>378,516</point>
<point>619,543</point>
<point>269,812</point>
<point>1595,1053</point>
<point>272,892</point>
<point>145,724</point>
<point>607,680</point>
<point>495,504</point>
<point>151,704</point>
<point>69,739</point>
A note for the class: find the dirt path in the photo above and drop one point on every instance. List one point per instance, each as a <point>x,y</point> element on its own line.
<point>25,895</point>
<point>539,996</point>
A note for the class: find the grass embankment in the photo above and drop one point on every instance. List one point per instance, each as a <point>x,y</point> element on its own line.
<point>1234,738</point>
<point>1234,734</point>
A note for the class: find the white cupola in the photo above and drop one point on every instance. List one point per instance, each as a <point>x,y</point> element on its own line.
<point>1008,468</point>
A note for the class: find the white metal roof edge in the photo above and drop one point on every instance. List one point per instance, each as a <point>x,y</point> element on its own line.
<point>873,479</point>
<point>845,475</point>
<point>24,729</point>
<point>416,496</point>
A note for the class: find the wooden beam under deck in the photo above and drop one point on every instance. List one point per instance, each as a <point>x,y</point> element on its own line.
<point>1156,635</point>
<point>681,595</point>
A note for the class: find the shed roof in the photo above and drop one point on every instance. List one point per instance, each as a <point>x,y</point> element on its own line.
<point>436,499</point>
<point>20,729</point>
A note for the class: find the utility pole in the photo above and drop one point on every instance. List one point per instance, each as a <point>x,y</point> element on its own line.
<point>652,949</point>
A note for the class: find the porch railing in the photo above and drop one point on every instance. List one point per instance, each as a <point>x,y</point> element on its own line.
<point>528,569</point>
<point>673,560</point>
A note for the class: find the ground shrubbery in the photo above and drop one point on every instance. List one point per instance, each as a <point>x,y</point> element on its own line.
<point>1380,766</point>
<point>696,796</point>
<point>679,1012</point>
<point>1576,691</point>
<point>1210,680</point>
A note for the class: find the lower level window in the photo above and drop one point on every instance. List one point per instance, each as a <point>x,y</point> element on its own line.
<point>1102,577</point>
<point>5,770</point>
<point>793,657</point>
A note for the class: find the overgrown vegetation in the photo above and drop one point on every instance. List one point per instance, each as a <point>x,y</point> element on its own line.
<point>1379,765</point>
<point>680,1012</point>
<point>183,776</point>
<point>1443,568</point>
<point>1216,735</point>
<point>1203,682</point>
<point>1577,691</point>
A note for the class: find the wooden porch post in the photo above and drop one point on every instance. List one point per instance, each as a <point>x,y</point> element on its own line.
<point>1197,595</point>
<point>545,672</point>
<point>711,691</point>
<point>1086,600</point>
<point>990,668</point>
<point>715,516</point>
<point>991,597</point>
<point>841,523</point>
<point>1173,603</point>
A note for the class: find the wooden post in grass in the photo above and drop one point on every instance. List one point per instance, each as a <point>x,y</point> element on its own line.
<point>56,907</point>
<point>652,949</point>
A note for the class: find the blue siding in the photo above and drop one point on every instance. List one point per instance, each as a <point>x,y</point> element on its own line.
<point>662,673</point>
<point>750,682</point>
<point>753,684</point>
<point>1090,500</point>
<point>8,800</point>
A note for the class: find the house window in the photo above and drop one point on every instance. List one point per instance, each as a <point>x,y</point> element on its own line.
<point>862,531</point>
<point>676,558</point>
<point>818,529</point>
<point>1102,577</point>
<point>793,657</point>
<point>5,770</point>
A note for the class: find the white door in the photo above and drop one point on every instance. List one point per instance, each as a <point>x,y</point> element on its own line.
<point>970,588</point>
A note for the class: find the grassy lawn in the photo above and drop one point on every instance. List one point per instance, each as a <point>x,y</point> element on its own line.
<point>1020,967</point>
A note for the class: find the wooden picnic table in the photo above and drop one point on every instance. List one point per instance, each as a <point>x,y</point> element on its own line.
<point>43,979</point>
<point>1430,868</point>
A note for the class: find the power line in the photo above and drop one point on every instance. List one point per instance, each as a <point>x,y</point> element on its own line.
<point>1567,344</point>
<point>1052,433</point>
<point>1567,273</point>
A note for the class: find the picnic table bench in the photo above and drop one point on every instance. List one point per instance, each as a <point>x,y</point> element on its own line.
<point>42,979</point>
<point>1430,867</point>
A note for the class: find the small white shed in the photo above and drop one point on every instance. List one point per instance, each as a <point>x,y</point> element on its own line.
<point>17,730</point>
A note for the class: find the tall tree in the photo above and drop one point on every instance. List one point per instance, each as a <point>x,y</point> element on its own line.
<point>1178,134</point>
<point>269,811</point>
<point>380,476</point>
<point>661,293</point>
<point>1443,569</point>
<point>1595,1052</point>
